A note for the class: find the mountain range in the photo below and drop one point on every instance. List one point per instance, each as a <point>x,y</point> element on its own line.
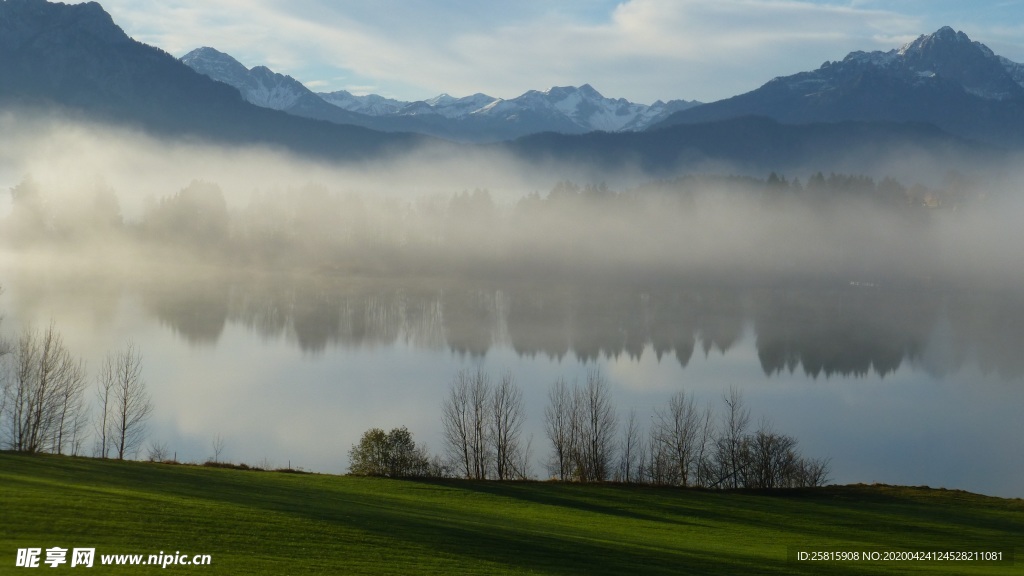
<point>942,95</point>
<point>475,118</point>
<point>944,78</point>
<point>74,61</point>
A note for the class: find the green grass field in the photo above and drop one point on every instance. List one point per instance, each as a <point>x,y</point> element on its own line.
<point>252,522</point>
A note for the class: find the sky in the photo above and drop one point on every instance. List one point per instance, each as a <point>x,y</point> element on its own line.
<point>641,50</point>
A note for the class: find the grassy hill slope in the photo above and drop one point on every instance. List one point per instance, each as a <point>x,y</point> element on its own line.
<point>276,523</point>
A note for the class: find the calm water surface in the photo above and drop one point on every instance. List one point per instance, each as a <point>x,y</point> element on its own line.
<point>898,385</point>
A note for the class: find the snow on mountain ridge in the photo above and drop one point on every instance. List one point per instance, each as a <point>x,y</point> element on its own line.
<point>584,106</point>
<point>877,58</point>
<point>946,53</point>
<point>452,108</point>
<point>1015,70</point>
<point>259,85</point>
<point>559,108</point>
<point>273,90</point>
<point>371,104</point>
<point>217,65</point>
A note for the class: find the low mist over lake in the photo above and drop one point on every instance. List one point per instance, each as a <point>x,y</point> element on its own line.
<point>286,307</point>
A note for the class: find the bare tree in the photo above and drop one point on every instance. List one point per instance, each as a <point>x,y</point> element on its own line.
<point>157,452</point>
<point>559,416</point>
<point>812,472</point>
<point>630,450</point>
<point>662,468</point>
<point>79,424</point>
<point>732,443</point>
<point>455,420</point>
<point>774,461</point>
<point>580,422</point>
<point>597,429</point>
<point>506,420</point>
<point>70,375</point>
<point>106,378</point>
<point>523,467</point>
<point>678,431</point>
<point>466,421</point>
<point>129,403</point>
<point>704,445</point>
<point>217,444</point>
<point>43,402</point>
<point>762,459</point>
<point>5,388</point>
<point>479,393</point>
<point>5,381</point>
<point>643,456</point>
<point>22,393</point>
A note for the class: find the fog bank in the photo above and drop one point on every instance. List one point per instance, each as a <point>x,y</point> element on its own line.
<point>457,209</point>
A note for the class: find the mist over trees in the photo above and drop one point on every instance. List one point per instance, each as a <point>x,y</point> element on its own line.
<point>661,229</point>
<point>708,225</point>
<point>703,234</point>
<point>197,216</point>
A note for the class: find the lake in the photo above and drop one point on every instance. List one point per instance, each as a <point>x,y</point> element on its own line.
<point>907,384</point>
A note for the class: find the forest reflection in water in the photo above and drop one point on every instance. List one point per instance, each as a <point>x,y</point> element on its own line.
<point>847,329</point>
<point>293,367</point>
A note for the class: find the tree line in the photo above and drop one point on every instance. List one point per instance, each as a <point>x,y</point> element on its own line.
<point>43,401</point>
<point>43,408</point>
<point>312,225</point>
<point>683,444</point>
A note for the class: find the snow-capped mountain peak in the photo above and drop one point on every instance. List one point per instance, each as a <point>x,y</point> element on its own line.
<point>274,90</point>
<point>215,64</point>
<point>371,104</point>
<point>567,108</point>
<point>454,108</point>
<point>944,79</point>
<point>949,55</point>
<point>479,116</point>
<point>944,36</point>
<point>259,85</point>
<point>443,99</point>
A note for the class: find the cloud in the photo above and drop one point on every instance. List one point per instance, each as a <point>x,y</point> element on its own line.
<point>638,49</point>
<point>650,49</point>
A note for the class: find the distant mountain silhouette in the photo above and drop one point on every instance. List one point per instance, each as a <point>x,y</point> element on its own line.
<point>74,58</point>
<point>759,145</point>
<point>943,79</point>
